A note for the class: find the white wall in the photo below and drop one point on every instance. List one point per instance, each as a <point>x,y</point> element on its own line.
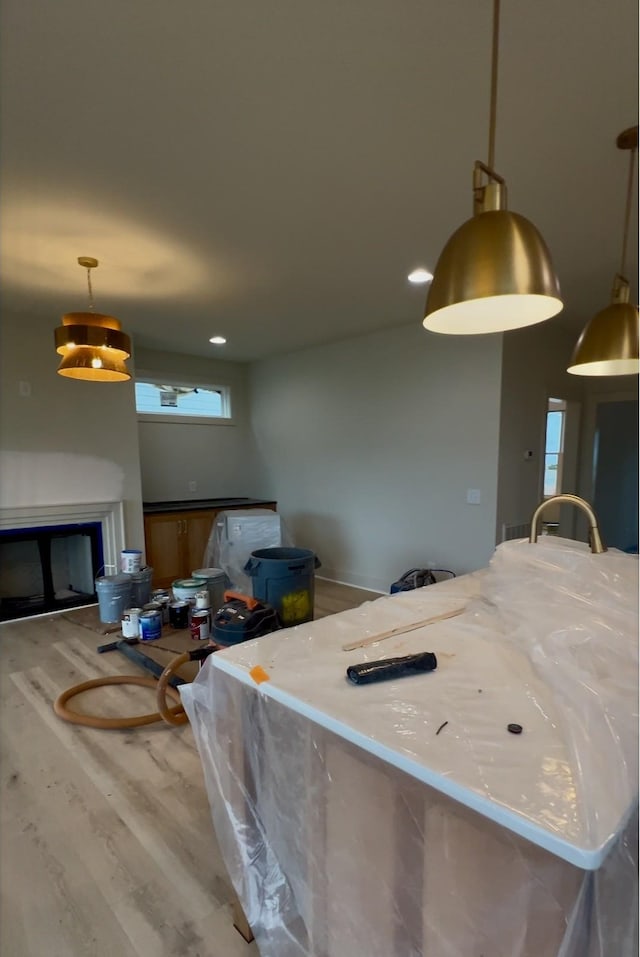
<point>68,442</point>
<point>220,459</point>
<point>369,446</point>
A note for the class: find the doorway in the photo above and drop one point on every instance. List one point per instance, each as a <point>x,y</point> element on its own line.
<point>615,472</point>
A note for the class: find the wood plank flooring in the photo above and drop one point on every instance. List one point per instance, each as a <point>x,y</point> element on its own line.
<point>106,841</point>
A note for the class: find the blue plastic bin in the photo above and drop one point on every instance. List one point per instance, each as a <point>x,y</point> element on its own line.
<point>284,578</point>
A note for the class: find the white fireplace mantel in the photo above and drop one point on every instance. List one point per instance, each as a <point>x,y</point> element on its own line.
<point>109,514</point>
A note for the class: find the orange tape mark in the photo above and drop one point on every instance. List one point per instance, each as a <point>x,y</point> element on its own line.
<point>259,674</point>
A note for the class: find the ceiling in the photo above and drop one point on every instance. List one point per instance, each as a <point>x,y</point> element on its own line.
<point>271,171</point>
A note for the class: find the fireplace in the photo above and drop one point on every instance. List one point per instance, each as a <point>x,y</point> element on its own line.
<point>50,555</point>
<point>48,568</point>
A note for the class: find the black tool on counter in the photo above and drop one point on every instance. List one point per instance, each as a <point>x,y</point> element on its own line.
<point>390,668</point>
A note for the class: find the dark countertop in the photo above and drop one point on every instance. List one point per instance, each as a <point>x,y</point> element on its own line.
<point>191,505</point>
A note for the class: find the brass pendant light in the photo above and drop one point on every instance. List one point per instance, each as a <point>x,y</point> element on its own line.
<point>495,272</point>
<point>609,342</point>
<point>92,345</point>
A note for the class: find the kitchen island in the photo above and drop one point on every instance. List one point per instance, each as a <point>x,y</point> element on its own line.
<point>405,818</point>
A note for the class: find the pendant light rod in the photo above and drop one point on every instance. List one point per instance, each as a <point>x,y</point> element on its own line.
<point>494,83</point>
<point>627,213</point>
<point>89,263</point>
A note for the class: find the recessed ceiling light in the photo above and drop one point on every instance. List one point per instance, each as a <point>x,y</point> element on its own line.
<point>419,276</point>
<point>218,340</point>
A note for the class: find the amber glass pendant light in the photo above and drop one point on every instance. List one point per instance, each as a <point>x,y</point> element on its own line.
<point>495,272</point>
<point>609,342</point>
<point>92,345</point>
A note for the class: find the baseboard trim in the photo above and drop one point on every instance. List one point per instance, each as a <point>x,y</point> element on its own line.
<point>337,581</point>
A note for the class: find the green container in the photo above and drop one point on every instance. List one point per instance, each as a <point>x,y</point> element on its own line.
<point>284,578</point>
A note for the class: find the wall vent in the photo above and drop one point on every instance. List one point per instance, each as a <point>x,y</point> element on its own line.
<point>510,532</point>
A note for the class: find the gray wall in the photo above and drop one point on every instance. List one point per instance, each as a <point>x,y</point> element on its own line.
<point>68,441</point>
<point>370,444</point>
<point>220,459</point>
<point>534,366</point>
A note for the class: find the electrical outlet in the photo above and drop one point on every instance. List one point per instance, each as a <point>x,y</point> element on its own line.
<point>193,486</point>
<point>473,496</point>
<point>24,388</point>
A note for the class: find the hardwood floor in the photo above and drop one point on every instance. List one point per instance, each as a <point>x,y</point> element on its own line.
<point>106,841</point>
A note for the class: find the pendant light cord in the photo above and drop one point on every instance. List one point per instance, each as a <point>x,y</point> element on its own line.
<point>494,82</point>
<point>627,213</point>
<point>90,289</point>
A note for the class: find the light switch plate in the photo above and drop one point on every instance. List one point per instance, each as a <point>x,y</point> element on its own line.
<point>473,496</point>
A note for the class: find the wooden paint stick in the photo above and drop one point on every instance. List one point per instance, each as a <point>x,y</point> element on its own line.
<point>400,630</point>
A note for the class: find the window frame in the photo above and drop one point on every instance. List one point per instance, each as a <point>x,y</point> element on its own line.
<point>160,378</point>
<point>558,406</point>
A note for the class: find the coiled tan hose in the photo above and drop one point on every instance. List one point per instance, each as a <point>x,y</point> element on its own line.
<point>173,715</point>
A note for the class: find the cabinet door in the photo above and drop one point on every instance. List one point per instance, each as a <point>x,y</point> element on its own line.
<point>199,525</point>
<point>165,539</point>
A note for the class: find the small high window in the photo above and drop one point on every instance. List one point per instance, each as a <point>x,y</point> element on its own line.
<point>181,400</point>
<point>554,447</point>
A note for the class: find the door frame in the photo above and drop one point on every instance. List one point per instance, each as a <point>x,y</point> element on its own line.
<point>588,458</point>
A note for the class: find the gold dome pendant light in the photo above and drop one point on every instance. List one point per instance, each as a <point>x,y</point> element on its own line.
<point>92,345</point>
<point>495,272</point>
<point>609,342</point>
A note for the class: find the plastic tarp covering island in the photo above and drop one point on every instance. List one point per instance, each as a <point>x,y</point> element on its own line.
<point>403,819</point>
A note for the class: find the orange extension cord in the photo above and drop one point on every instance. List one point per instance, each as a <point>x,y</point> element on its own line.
<point>171,715</point>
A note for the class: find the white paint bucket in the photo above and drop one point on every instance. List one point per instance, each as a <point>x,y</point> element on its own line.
<point>130,560</point>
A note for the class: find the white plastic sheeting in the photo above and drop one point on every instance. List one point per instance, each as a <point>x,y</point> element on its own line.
<point>350,827</point>
<point>238,532</point>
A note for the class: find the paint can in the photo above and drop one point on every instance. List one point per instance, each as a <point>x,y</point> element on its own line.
<point>150,625</point>
<point>131,622</point>
<point>216,582</point>
<point>114,595</point>
<point>164,601</point>
<point>202,599</point>
<point>141,586</point>
<point>159,593</point>
<point>152,606</point>
<point>179,614</point>
<point>201,624</point>
<point>130,560</point>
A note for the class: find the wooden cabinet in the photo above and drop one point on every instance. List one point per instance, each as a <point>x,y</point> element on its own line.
<point>175,542</point>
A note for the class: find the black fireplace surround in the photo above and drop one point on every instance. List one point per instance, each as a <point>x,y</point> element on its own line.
<point>48,568</point>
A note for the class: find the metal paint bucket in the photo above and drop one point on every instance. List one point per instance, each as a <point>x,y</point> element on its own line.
<point>141,585</point>
<point>215,581</point>
<point>114,595</point>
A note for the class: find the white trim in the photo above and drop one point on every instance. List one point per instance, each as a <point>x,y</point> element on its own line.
<point>109,514</point>
<point>159,417</point>
<point>47,614</point>
<point>336,581</point>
